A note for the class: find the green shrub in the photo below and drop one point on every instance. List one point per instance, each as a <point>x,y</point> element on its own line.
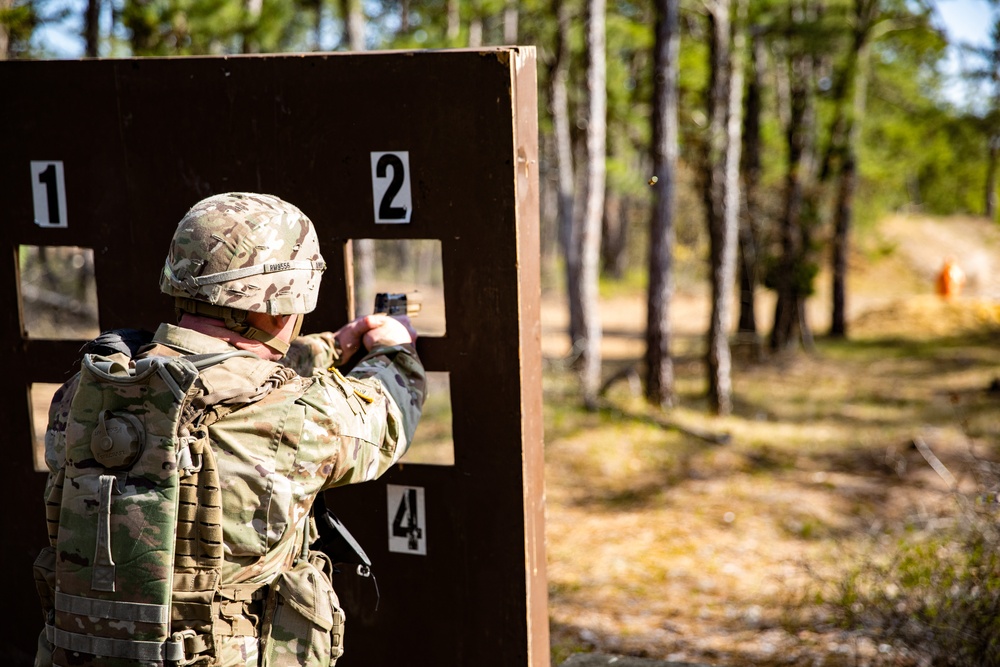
<point>936,592</point>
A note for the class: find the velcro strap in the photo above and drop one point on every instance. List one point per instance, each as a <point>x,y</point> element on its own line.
<point>152,651</point>
<point>239,609</point>
<point>103,576</point>
<point>243,591</point>
<point>116,610</point>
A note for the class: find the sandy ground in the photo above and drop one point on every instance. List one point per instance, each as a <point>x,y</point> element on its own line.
<point>697,570</point>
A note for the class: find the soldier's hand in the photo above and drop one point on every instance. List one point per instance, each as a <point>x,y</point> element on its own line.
<point>375,330</point>
<point>386,330</point>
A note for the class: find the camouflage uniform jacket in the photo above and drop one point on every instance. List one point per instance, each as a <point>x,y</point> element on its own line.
<point>309,432</point>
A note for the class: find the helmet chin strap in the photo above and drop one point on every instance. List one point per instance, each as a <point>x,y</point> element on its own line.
<point>298,327</point>
<point>235,321</point>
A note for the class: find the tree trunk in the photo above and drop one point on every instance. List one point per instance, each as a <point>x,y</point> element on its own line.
<point>510,21</point>
<point>92,29</point>
<point>563,154</point>
<point>722,191</point>
<point>792,277</point>
<point>844,207</point>
<point>248,40</point>
<point>990,210</point>
<point>588,220</point>
<point>993,133</point>
<point>475,32</point>
<point>784,327</point>
<point>841,237</point>
<point>614,234</point>
<point>659,365</point>
<point>750,222</point>
<point>454,22</point>
<point>548,205</point>
<point>852,92</point>
<point>353,15</point>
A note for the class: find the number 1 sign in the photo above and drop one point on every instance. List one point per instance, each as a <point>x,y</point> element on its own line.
<point>48,189</point>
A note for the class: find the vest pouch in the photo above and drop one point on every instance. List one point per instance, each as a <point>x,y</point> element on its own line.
<point>117,524</point>
<point>304,625</point>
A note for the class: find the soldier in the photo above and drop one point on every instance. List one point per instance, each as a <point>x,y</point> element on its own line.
<point>194,546</point>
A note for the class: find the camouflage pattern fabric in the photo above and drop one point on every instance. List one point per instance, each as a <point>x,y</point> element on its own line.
<point>311,353</point>
<point>247,251</point>
<point>118,510</point>
<point>295,437</point>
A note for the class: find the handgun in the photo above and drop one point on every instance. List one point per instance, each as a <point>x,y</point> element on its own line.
<point>386,303</point>
<point>396,303</point>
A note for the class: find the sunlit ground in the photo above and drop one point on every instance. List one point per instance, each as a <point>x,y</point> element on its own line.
<point>666,545</point>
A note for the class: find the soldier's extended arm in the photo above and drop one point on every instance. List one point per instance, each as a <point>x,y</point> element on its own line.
<point>392,362</point>
<point>323,351</point>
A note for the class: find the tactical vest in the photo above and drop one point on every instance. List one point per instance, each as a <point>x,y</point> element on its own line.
<point>138,535</point>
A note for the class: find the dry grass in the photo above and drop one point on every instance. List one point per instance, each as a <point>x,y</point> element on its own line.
<point>662,544</point>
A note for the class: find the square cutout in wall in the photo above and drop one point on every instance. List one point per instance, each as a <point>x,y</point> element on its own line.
<point>406,266</point>
<point>57,292</point>
<point>433,442</point>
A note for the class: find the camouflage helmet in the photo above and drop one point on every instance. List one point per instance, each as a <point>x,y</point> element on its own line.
<point>245,251</point>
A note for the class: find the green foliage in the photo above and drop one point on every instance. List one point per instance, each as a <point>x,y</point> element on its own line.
<point>19,21</point>
<point>803,274</point>
<point>937,594</point>
<point>905,140</point>
<point>954,181</point>
<point>198,27</point>
<point>629,78</point>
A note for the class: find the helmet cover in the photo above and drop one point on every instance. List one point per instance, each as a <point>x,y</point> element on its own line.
<point>246,251</point>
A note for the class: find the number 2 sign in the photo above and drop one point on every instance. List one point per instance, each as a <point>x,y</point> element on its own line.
<point>48,189</point>
<point>391,187</point>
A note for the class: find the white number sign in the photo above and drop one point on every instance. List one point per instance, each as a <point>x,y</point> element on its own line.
<point>391,187</point>
<point>48,189</point>
<point>407,520</point>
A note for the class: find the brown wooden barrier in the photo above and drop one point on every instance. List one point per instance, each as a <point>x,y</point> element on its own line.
<point>109,154</point>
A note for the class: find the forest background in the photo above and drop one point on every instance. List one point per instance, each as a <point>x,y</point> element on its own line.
<point>763,159</point>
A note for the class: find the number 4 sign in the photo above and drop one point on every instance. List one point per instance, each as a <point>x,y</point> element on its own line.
<point>48,189</point>
<point>391,187</point>
<point>407,532</point>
